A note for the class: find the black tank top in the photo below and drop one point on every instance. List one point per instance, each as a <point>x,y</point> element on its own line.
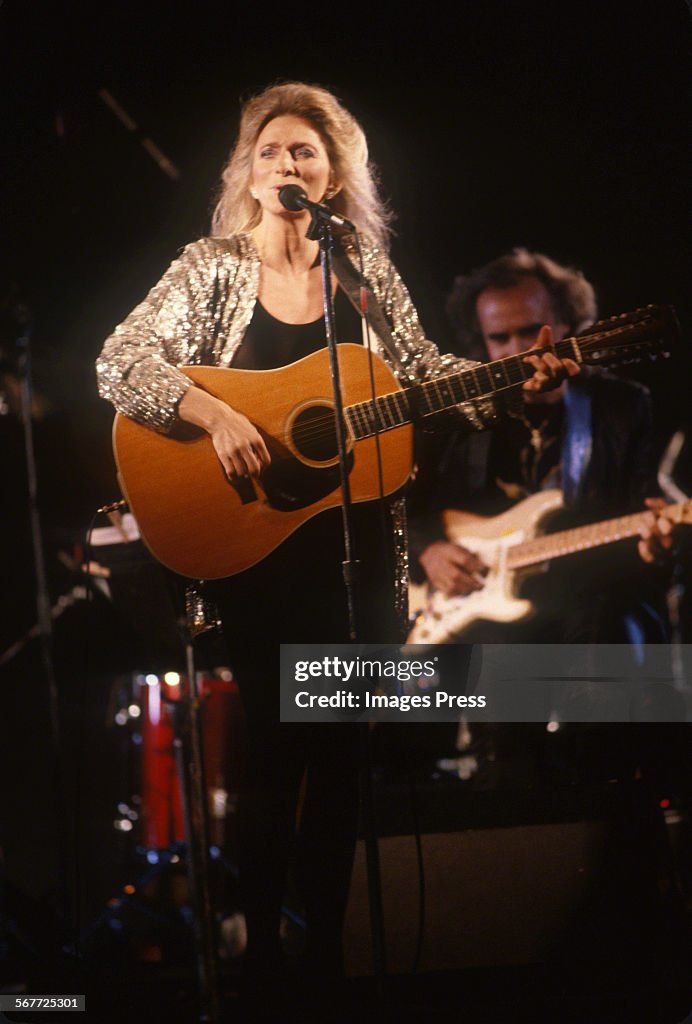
<point>270,343</point>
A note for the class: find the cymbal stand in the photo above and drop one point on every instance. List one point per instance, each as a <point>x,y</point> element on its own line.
<point>190,764</point>
<point>44,624</point>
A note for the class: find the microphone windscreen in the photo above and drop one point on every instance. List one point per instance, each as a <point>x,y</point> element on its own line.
<point>289,196</point>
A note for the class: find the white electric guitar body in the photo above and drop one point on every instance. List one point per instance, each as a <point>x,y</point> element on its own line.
<point>513,546</point>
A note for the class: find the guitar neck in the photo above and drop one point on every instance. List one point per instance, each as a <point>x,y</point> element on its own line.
<point>609,341</point>
<point>585,538</point>
<point>486,379</point>
<point>446,392</point>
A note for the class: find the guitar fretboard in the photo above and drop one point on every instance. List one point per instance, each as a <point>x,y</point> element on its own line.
<point>429,397</point>
<point>583,538</point>
<point>628,335</point>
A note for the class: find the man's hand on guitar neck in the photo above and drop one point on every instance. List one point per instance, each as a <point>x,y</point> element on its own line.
<point>237,442</point>
<point>452,568</point>
<point>549,371</point>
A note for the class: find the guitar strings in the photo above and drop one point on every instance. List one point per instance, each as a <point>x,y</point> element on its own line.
<point>322,427</point>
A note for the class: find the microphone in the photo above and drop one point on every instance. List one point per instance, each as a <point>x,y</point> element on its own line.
<point>295,198</point>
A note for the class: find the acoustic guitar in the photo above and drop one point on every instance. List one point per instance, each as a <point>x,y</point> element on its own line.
<point>199,524</point>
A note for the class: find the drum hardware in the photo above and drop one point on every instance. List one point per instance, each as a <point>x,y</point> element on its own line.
<point>190,763</point>
<point>176,811</point>
<point>201,614</point>
<point>150,820</point>
<point>145,704</point>
<point>176,826</point>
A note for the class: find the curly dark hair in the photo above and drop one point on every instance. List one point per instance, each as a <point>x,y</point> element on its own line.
<point>572,297</point>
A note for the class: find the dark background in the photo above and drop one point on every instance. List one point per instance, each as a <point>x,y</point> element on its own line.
<point>558,126</point>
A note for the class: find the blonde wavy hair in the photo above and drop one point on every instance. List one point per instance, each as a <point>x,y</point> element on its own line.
<point>358,199</point>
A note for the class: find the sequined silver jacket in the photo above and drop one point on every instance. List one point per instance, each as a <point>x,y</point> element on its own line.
<point>198,314</point>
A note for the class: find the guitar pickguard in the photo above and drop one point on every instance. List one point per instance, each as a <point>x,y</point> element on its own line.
<point>290,484</point>
<point>493,539</point>
<point>446,617</point>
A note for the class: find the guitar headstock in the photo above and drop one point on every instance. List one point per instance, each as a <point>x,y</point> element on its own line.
<point>645,333</point>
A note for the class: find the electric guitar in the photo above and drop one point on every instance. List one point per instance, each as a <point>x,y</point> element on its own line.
<point>199,524</point>
<point>512,547</point>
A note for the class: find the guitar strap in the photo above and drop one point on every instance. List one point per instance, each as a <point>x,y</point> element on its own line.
<point>349,279</point>
<point>576,453</point>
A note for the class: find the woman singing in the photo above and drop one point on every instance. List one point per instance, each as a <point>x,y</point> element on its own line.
<point>250,296</point>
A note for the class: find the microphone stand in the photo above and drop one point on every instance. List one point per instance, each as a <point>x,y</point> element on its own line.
<point>44,624</point>
<point>320,231</point>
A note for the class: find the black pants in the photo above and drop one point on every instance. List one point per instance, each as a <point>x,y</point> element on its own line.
<point>296,595</point>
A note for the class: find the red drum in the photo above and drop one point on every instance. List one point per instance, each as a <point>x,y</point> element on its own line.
<point>223,741</point>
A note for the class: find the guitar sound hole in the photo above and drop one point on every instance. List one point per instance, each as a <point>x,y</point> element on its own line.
<point>314,433</point>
